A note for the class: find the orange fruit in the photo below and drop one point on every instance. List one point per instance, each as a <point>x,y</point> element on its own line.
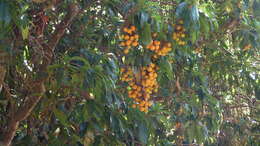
<point>126,37</point>
<point>128,43</point>
<point>157,43</point>
<point>126,51</point>
<point>122,44</point>
<point>152,48</point>
<point>135,44</point>
<point>125,29</point>
<point>133,28</point>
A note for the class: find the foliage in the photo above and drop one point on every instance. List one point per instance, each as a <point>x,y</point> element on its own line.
<point>207,72</point>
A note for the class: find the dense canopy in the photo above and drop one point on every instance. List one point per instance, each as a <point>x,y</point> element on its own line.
<point>129,72</point>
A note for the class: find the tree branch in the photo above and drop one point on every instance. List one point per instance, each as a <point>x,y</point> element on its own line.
<point>2,76</point>
<point>38,88</point>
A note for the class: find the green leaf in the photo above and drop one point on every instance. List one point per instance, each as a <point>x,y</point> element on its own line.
<point>194,14</point>
<point>166,68</point>
<point>77,58</point>
<point>256,10</point>
<point>61,117</point>
<point>140,3</point>
<point>190,131</point>
<point>142,133</point>
<point>205,27</point>
<point>146,37</point>
<point>76,138</point>
<point>25,32</point>
<point>5,16</point>
<point>143,19</point>
<point>199,134</point>
<point>193,36</point>
<point>180,9</point>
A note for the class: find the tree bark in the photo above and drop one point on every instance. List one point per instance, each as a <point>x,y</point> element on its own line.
<point>2,76</point>
<point>38,88</point>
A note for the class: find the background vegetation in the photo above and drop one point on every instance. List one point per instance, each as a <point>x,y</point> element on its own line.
<point>62,82</point>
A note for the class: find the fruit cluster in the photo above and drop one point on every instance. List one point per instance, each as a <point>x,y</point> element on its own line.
<point>160,49</point>
<point>129,38</point>
<point>127,74</point>
<point>179,33</point>
<point>142,85</point>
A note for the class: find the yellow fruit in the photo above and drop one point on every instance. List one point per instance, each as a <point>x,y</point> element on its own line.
<point>128,43</point>
<point>152,48</point>
<point>147,96</point>
<point>125,29</point>
<point>157,43</point>
<point>126,37</point>
<point>121,37</point>
<point>142,109</point>
<point>126,51</point>
<point>157,47</point>
<point>142,84</point>
<point>142,103</point>
<point>132,38</point>
<point>129,31</point>
<point>150,69</point>
<point>134,87</point>
<point>122,44</point>
<point>135,44</point>
<point>133,28</point>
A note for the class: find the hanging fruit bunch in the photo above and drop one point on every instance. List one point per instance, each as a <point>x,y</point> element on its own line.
<point>142,82</point>
<point>129,38</point>
<point>159,48</point>
<point>142,85</point>
<point>179,33</point>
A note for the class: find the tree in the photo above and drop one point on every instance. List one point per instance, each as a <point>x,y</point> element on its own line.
<point>129,72</point>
